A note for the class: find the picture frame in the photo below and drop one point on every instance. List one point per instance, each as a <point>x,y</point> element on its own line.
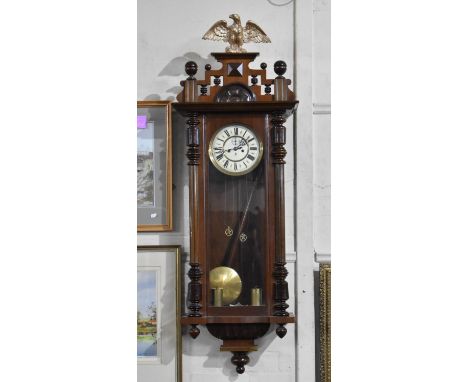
<point>154,166</point>
<point>159,276</point>
<point>325,322</point>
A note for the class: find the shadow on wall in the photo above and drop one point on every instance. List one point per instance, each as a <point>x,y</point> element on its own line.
<point>216,357</point>
<point>152,97</point>
<point>278,3</point>
<point>176,68</point>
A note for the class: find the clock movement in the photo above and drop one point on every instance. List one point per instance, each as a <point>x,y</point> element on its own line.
<point>236,156</point>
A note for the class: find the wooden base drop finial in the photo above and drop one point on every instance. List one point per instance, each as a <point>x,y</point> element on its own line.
<point>240,359</point>
<point>281,331</point>
<point>194,331</point>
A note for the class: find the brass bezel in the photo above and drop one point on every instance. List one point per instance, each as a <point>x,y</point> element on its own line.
<point>222,169</point>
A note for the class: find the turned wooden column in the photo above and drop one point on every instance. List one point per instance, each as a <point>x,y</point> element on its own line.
<point>278,136</point>
<point>280,292</point>
<point>193,155</point>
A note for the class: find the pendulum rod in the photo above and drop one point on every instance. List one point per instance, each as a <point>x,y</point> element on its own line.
<point>241,223</point>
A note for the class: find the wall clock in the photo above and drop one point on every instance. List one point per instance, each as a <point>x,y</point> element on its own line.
<point>236,156</point>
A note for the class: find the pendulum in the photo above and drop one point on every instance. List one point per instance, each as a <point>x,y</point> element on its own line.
<point>228,231</point>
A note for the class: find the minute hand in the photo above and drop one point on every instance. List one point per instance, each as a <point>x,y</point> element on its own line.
<point>243,143</point>
<point>237,147</point>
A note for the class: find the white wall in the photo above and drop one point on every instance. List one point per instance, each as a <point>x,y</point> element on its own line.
<point>169,34</point>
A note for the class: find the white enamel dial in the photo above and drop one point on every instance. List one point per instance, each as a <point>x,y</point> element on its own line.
<point>235,150</point>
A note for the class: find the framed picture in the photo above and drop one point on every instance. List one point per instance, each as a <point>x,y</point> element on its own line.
<point>325,322</point>
<point>154,166</point>
<point>159,341</point>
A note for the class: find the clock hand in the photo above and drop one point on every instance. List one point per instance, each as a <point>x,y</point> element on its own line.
<point>243,143</point>
<point>232,148</point>
<point>240,146</point>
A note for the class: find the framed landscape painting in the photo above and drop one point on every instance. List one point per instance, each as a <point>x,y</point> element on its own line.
<point>159,341</point>
<point>147,313</point>
<point>154,166</point>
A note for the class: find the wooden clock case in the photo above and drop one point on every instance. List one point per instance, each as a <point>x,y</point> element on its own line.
<point>237,94</point>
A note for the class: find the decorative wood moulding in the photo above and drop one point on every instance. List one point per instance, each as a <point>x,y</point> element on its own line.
<point>322,258</point>
<point>321,108</point>
<point>239,82</point>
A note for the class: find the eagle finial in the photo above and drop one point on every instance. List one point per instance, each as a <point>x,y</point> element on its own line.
<point>235,34</point>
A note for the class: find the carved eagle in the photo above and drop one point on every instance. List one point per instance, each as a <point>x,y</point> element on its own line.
<point>235,34</point>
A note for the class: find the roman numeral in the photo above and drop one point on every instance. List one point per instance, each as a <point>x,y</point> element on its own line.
<point>250,157</point>
<point>227,133</point>
<point>235,166</point>
<point>236,130</point>
<point>254,148</point>
<point>218,157</point>
<point>245,131</point>
<point>250,140</point>
<point>220,139</point>
<point>226,164</point>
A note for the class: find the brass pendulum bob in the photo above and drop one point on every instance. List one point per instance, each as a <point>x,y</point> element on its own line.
<point>228,280</point>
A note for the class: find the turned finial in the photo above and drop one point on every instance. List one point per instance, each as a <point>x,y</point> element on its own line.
<point>280,68</point>
<point>191,68</point>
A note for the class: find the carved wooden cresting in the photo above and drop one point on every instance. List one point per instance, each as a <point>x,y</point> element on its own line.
<point>235,81</point>
<point>249,207</point>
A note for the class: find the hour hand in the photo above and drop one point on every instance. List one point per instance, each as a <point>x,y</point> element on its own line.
<point>243,143</point>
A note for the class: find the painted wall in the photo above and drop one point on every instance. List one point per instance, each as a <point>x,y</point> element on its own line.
<point>169,34</point>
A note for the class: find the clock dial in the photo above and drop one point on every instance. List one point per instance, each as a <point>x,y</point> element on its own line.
<point>235,150</point>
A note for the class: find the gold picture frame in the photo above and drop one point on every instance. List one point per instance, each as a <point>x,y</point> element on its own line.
<point>154,166</point>
<point>178,277</point>
<point>325,322</point>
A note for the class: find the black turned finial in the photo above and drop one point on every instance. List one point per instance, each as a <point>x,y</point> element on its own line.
<point>191,68</point>
<point>207,67</point>
<point>263,65</point>
<point>280,68</point>
<point>240,359</point>
<point>281,331</point>
<point>194,331</point>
